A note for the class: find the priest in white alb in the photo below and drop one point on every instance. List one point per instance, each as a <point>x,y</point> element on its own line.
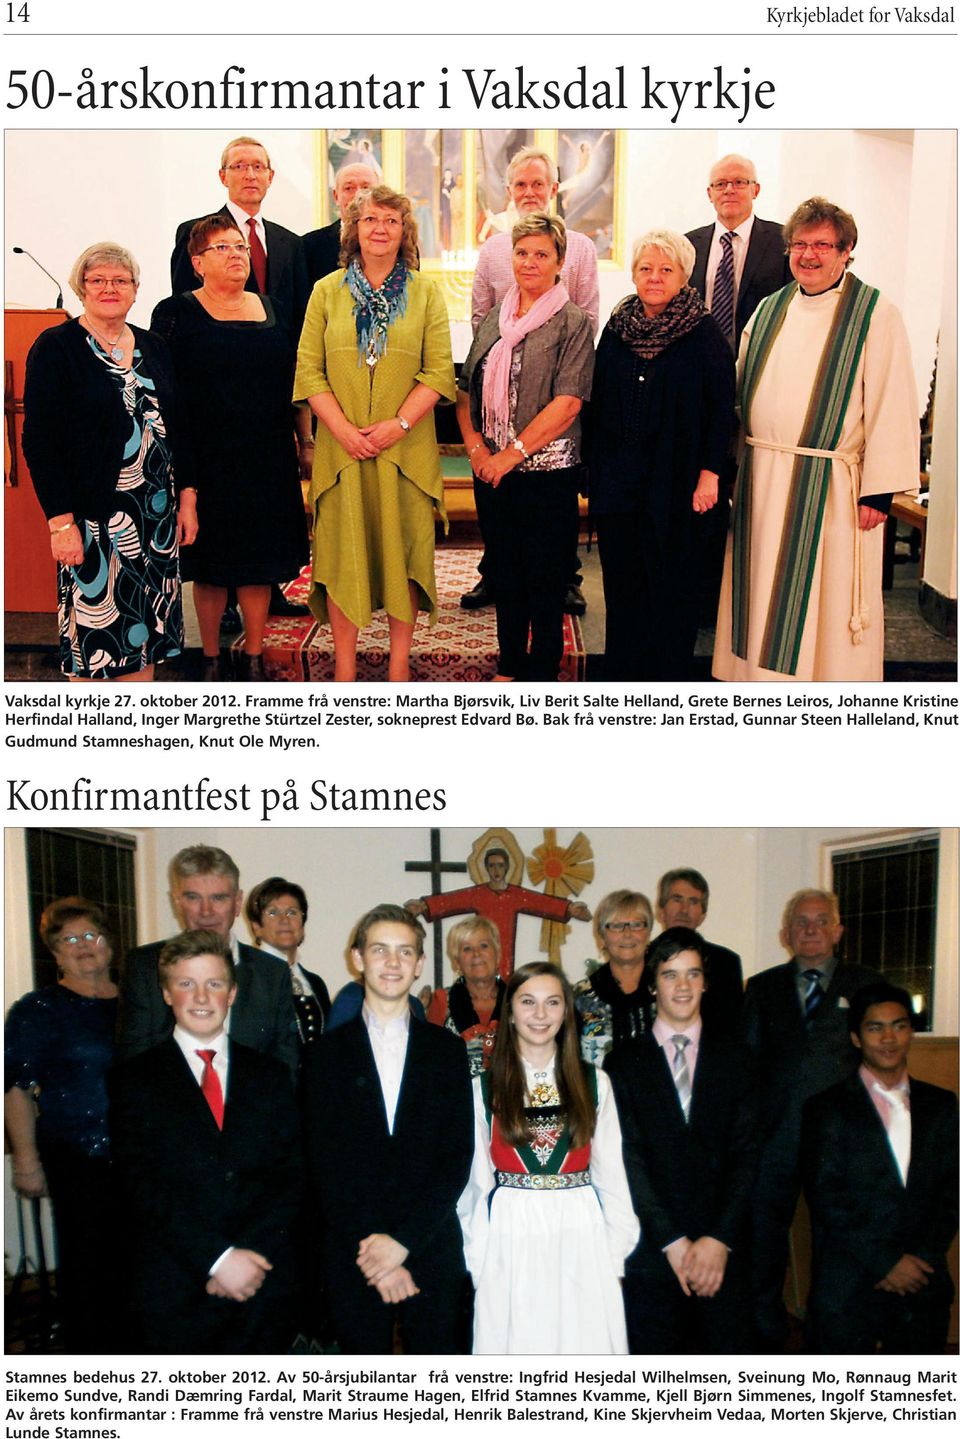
<point>831,433</point>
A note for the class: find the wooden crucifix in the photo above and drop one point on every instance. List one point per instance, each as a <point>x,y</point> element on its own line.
<point>435,867</point>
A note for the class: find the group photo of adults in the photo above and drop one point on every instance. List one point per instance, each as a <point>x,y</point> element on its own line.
<point>483,1117</point>
<point>361,417</point>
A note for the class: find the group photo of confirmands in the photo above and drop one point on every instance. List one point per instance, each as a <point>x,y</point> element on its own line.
<point>514,1164</point>
<point>739,432</point>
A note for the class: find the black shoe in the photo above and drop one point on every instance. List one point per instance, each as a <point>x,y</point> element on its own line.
<point>574,604</point>
<point>477,598</point>
<point>231,623</point>
<point>284,608</point>
<point>210,669</point>
<point>251,669</point>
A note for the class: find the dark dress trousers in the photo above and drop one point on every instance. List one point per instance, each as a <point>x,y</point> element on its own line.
<point>765,267</point>
<point>864,1219</point>
<point>193,1191</point>
<point>365,1180</point>
<point>723,1001</point>
<point>286,267</point>
<point>794,1061</point>
<point>321,250</point>
<point>687,1178</point>
<point>262,1016</point>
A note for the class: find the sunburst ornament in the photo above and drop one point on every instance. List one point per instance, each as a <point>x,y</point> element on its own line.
<point>563,870</point>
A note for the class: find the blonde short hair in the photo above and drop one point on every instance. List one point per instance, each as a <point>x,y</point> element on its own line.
<point>539,223</point>
<point>678,247</point>
<point>243,140</point>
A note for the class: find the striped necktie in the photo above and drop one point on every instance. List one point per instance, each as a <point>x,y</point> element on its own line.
<point>721,306</point>
<point>814,996</point>
<point>681,1074</point>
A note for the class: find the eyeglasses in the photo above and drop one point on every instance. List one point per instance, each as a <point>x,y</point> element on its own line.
<point>284,913</point>
<point>719,185</point>
<point>392,223</point>
<point>254,167</point>
<point>617,926</point>
<point>97,282</point>
<point>237,248</point>
<point>819,247</point>
<point>89,936</point>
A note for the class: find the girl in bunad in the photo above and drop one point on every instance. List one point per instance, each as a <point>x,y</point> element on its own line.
<point>546,1215</point>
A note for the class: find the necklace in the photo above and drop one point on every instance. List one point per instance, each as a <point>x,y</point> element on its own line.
<point>114,348</point>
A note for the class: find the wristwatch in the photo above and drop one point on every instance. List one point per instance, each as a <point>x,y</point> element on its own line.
<point>519,445</point>
<point>404,424</point>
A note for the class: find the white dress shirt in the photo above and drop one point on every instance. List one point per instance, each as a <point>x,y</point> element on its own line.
<point>243,219</point>
<point>389,1044</point>
<point>740,244</point>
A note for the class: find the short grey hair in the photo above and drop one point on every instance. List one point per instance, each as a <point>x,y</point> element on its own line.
<point>539,223</point>
<point>105,252</point>
<point>678,247</point>
<point>525,155</point>
<point>202,859</point>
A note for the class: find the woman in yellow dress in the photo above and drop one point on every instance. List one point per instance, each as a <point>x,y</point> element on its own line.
<point>374,360</point>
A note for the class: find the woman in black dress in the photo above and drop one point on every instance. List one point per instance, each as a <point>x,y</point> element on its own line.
<point>657,433</point>
<point>58,1048</point>
<point>234,358</point>
<point>98,435</point>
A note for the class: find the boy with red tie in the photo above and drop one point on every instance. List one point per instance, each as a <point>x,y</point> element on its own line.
<point>207,1149</point>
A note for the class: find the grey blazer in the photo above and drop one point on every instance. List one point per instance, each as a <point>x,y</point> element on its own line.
<point>557,360</point>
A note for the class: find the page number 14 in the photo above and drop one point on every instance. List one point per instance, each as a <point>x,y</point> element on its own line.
<point>16,13</point>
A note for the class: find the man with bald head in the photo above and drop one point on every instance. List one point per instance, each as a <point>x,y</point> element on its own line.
<point>795,1025</point>
<point>733,275</point>
<point>322,247</point>
<point>740,260</point>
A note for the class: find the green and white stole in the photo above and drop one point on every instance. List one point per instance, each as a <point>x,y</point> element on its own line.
<point>809,483</point>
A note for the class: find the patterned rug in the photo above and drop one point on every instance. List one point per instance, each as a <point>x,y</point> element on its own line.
<point>461,646</point>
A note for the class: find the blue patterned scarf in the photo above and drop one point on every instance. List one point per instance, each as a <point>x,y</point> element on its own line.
<point>376,310</point>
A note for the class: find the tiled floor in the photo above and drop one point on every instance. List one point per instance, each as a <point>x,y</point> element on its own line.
<point>913,651</point>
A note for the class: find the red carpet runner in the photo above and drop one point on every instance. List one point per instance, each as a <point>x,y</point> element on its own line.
<point>461,646</point>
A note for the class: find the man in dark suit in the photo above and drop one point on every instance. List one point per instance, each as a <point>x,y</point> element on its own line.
<point>207,1147</point>
<point>321,247</point>
<point>760,263</point>
<point>880,1174</point>
<point>682,899</point>
<point>389,1136</point>
<point>205,894</point>
<point>740,260</point>
<point>795,1025</point>
<point>275,252</point>
<point>687,1108</point>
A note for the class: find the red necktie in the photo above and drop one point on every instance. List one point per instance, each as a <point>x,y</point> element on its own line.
<point>210,1085</point>
<point>258,256</point>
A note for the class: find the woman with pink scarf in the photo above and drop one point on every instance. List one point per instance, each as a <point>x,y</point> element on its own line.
<point>521,390</point>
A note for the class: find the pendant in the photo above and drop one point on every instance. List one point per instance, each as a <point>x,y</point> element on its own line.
<point>117,352</point>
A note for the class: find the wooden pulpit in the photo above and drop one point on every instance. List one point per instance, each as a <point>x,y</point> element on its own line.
<point>30,573</point>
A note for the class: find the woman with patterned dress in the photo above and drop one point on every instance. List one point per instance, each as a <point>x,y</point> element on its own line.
<point>59,1045</point>
<point>374,360</point>
<point>546,1216</point>
<point>98,435</point>
<point>472,1005</point>
<point>234,357</point>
